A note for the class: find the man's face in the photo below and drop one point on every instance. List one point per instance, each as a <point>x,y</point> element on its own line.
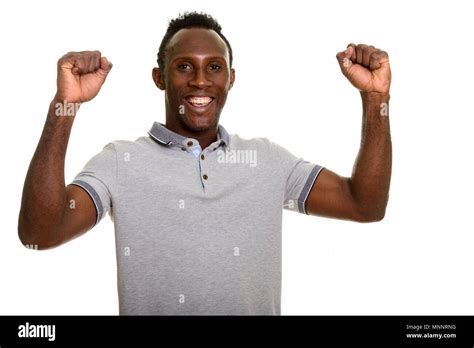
<point>196,79</point>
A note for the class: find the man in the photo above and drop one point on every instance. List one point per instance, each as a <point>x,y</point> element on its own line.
<point>197,211</point>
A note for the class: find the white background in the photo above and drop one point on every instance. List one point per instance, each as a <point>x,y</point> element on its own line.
<point>288,88</point>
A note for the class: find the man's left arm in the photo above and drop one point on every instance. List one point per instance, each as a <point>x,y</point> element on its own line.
<point>363,197</point>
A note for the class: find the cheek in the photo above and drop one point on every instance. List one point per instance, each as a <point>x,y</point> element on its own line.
<point>223,84</point>
<point>175,83</point>
<point>172,92</point>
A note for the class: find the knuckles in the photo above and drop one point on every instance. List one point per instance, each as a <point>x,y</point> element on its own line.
<point>81,60</point>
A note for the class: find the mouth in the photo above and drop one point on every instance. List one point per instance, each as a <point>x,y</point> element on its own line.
<point>199,101</point>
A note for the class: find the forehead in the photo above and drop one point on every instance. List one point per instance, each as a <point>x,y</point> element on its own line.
<point>197,41</point>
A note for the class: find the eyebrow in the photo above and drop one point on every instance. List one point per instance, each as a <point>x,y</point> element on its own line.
<point>192,58</point>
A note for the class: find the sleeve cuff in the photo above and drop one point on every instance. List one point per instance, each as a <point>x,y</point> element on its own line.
<point>307,188</point>
<point>94,196</point>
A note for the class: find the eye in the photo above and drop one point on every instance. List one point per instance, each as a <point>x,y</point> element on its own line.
<point>184,67</point>
<point>215,67</point>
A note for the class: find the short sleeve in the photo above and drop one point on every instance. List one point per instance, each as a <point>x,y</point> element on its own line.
<point>97,178</point>
<point>301,176</point>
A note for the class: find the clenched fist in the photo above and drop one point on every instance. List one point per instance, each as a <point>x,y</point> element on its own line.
<point>366,67</point>
<point>81,75</point>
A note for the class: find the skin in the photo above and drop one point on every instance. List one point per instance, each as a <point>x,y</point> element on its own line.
<point>362,197</point>
<point>197,63</point>
<point>46,218</point>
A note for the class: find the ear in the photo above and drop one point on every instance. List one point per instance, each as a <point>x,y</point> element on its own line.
<point>159,78</point>
<point>232,78</point>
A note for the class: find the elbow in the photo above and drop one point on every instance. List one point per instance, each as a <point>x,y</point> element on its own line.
<point>375,217</point>
<point>32,237</point>
<point>24,232</point>
<point>28,238</point>
<point>370,215</point>
<point>368,206</point>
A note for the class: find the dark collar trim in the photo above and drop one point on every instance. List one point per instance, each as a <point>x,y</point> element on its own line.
<point>164,136</point>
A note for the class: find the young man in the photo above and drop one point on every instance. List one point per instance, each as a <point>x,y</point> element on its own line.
<point>197,211</point>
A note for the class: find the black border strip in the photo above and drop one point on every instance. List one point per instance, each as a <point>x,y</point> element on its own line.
<point>341,330</point>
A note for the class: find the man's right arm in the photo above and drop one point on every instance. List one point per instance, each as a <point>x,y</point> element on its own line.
<point>51,213</point>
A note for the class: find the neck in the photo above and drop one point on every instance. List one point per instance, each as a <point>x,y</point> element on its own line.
<point>204,137</point>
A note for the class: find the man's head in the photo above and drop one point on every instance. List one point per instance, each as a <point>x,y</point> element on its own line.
<point>195,71</point>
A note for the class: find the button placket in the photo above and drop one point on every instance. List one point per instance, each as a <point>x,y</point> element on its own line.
<point>203,164</point>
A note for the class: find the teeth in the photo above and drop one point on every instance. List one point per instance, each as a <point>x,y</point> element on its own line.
<point>199,101</point>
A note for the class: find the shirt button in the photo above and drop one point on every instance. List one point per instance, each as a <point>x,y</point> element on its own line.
<point>203,157</point>
<point>205,177</point>
<point>190,143</point>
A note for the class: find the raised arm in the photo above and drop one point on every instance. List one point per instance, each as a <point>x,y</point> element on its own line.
<point>362,197</point>
<point>51,213</point>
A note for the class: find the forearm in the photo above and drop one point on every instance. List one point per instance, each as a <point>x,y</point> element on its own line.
<point>44,193</point>
<point>370,180</point>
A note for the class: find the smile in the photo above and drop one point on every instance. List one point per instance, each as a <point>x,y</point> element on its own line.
<point>199,101</point>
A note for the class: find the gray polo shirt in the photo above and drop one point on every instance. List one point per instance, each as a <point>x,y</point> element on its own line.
<point>198,232</point>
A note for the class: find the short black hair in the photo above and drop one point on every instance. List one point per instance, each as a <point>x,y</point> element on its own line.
<point>190,20</point>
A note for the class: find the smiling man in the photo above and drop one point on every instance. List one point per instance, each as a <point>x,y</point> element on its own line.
<point>197,211</point>
<point>195,71</point>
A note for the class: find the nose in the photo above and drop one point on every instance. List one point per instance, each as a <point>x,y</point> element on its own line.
<point>200,79</point>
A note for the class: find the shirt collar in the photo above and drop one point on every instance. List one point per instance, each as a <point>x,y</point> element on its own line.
<point>164,136</point>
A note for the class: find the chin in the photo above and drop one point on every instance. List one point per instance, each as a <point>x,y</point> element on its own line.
<point>200,123</point>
